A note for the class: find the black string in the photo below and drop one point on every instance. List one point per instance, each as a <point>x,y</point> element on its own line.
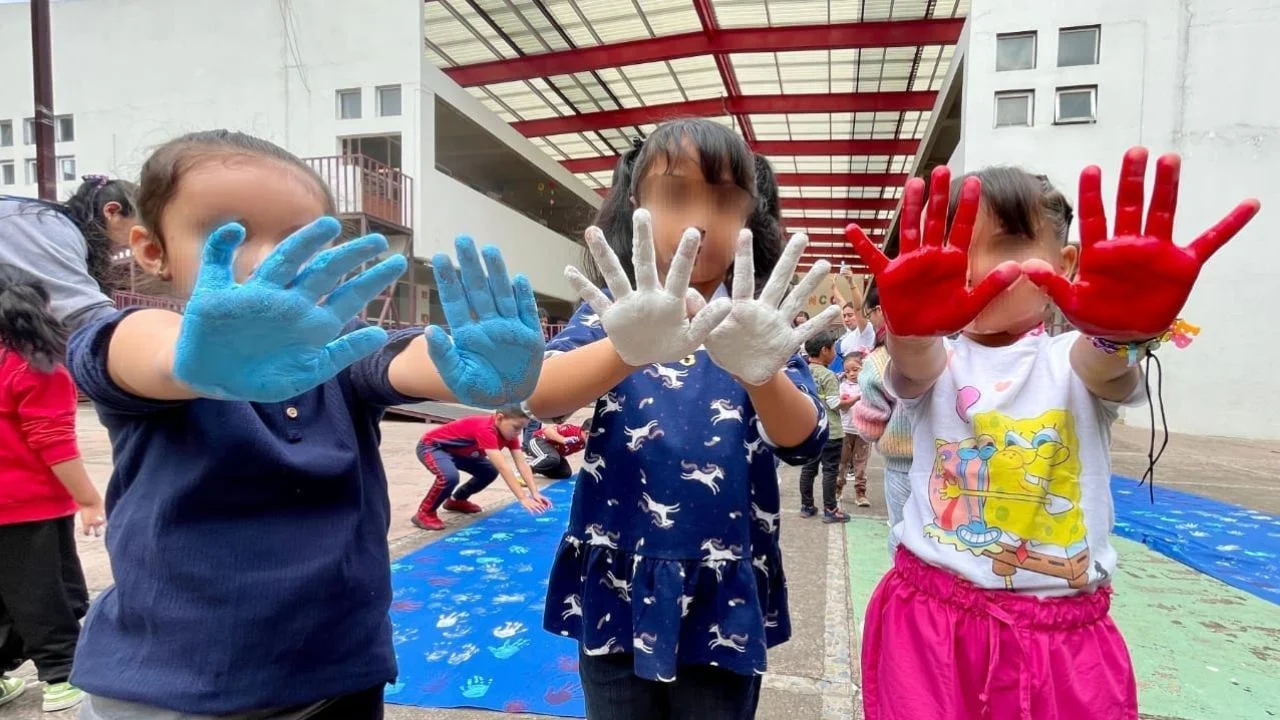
<point>1153,455</point>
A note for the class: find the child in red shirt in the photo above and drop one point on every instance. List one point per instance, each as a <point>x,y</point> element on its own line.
<point>551,445</point>
<point>42,485</point>
<point>474,445</point>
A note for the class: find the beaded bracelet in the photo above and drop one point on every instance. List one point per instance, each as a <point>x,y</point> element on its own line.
<point>1180,334</point>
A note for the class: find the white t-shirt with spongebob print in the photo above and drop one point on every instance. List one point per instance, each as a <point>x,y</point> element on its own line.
<point>1011,477</point>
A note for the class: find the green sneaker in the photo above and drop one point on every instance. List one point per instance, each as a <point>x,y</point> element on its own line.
<point>60,696</point>
<point>10,689</point>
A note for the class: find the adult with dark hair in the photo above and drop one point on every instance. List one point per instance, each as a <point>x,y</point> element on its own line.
<point>43,484</point>
<point>68,245</point>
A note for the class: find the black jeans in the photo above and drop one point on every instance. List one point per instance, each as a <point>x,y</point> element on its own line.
<point>614,692</point>
<point>365,705</point>
<point>829,459</point>
<point>545,461</point>
<point>42,596</point>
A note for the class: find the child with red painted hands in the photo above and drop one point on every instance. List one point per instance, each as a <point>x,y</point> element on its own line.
<point>997,605</point>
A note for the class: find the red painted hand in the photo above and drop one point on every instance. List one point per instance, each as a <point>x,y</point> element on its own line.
<point>1133,286</point>
<point>924,291</point>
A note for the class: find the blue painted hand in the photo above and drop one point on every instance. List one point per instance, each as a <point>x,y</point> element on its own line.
<point>476,687</point>
<point>494,356</point>
<point>276,335</point>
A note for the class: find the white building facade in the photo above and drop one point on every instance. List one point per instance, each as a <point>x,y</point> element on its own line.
<point>322,78</point>
<point>1056,86</point>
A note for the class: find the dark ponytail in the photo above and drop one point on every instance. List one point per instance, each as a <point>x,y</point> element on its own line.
<point>27,327</point>
<point>85,209</point>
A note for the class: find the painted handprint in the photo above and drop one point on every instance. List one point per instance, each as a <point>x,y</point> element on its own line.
<point>562,694</point>
<point>451,619</point>
<point>508,648</point>
<point>476,687</point>
<point>508,630</point>
<point>465,653</point>
<point>519,550</point>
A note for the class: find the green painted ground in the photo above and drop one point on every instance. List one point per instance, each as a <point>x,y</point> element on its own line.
<point>1201,649</point>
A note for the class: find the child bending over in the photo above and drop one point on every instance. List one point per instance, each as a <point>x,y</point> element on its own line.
<point>551,446</point>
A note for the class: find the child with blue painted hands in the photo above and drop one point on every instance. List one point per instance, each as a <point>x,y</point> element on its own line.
<point>248,508</point>
<point>675,606</point>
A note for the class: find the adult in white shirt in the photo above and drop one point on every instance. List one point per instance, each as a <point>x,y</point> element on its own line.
<point>860,334</point>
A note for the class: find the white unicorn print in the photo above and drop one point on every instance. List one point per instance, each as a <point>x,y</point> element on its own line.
<point>771,619</point>
<point>597,537</point>
<point>685,602</point>
<point>645,402</point>
<point>611,403</point>
<point>644,642</point>
<point>754,448</point>
<point>737,643</point>
<point>708,474</point>
<point>636,437</point>
<point>717,555</point>
<point>592,464</point>
<point>767,520</point>
<point>575,607</point>
<point>622,587</point>
<point>591,320</point>
<point>725,411</point>
<point>604,649</point>
<point>659,511</point>
<point>670,376</point>
<point>761,563</point>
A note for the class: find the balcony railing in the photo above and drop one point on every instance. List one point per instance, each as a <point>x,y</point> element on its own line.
<point>361,184</point>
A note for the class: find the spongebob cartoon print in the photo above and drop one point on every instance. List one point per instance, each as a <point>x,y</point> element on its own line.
<point>1012,493</point>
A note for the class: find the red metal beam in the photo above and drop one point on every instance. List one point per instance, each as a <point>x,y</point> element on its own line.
<point>894,33</point>
<point>739,105</point>
<point>794,203</point>
<point>710,28</point>
<point>794,148</point>
<point>841,179</point>
<point>838,223</point>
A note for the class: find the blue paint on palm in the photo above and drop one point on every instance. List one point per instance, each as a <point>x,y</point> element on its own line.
<point>494,356</point>
<point>271,338</point>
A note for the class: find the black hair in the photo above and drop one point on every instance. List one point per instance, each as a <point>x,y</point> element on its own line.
<point>805,313</point>
<point>27,326</point>
<point>1021,202</point>
<point>765,225</point>
<point>586,426</point>
<point>721,153</point>
<point>512,411</point>
<point>164,169</point>
<point>814,346</point>
<point>85,210</point>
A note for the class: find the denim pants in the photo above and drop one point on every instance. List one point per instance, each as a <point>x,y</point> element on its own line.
<point>700,692</point>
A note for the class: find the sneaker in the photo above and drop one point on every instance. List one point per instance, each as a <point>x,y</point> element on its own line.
<point>427,521</point>
<point>834,516</point>
<point>862,501</point>
<point>61,696</point>
<point>462,506</point>
<point>11,689</point>
<point>808,512</point>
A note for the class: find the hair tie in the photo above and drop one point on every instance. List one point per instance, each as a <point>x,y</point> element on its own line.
<point>97,180</point>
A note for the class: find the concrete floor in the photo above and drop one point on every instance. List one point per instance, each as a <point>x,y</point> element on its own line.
<point>812,676</point>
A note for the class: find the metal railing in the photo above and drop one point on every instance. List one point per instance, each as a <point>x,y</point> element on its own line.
<point>124,299</point>
<point>361,184</point>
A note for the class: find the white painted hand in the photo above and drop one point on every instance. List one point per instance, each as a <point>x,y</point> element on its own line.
<point>757,339</point>
<point>648,324</point>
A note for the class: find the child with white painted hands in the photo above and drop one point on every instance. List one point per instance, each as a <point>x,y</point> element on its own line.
<point>248,506</point>
<point>675,606</point>
<point>998,602</point>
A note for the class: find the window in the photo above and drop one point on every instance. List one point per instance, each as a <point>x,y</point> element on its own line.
<point>1077,105</point>
<point>6,174</point>
<point>388,101</point>
<point>65,128</point>
<point>6,133</point>
<point>349,104</point>
<point>29,131</point>
<point>1016,51</point>
<point>30,171</point>
<point>1014,108</point>
<point>66,169</point>
<point>1078,46</point>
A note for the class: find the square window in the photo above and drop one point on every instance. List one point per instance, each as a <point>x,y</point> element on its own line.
<point>388,101</point>
<point>30,171</point>
<point>65,128</point>
<point>1078,46</point>
<point>1016,51</point>
<point>7,174</point>
<point>1077,105</point>
<point>29,131</point>
<point>349,104</point>
<point>6,133</point>
<point>66,169</point>
<point>1014,108</point>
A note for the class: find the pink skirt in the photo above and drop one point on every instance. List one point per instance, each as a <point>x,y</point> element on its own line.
<point>939,647</point>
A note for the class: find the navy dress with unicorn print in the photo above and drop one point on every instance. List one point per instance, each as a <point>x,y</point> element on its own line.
<point>672,547</point>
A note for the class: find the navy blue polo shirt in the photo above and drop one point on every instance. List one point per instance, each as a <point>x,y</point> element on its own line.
<point>248,543</point>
